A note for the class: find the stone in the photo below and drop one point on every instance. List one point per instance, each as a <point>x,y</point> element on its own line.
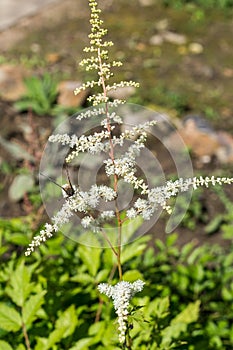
<point>225,151</point>
<point>12,85</point>
<point>156,39</point>
<point>198,136</point>
<point>66,96</point>
<point>174,38</point>
<point>146,2</point>
<point>122,93</point>
<point>196,48</point>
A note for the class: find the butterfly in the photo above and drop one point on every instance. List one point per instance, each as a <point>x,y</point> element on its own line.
<point>68,190</point>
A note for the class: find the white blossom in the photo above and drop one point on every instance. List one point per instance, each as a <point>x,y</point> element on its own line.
<point>121,295</point>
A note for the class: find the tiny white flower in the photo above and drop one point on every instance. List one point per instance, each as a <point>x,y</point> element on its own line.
<point>121,294</point>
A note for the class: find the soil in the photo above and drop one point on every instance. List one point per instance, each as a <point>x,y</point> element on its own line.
<point>205,79</point>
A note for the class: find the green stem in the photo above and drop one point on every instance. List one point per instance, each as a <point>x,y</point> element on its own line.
<point>112,156</point>
<point>26,336</point>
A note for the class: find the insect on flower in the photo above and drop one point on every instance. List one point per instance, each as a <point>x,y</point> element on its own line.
<point>68,190</point>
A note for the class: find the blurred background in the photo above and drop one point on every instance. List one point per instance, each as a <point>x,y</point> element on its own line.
<point>181,53</point>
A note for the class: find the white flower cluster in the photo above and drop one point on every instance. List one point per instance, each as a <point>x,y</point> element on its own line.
<point>99,61</point>
<point>121,294</point>
<point>159,196</point>
<point>92,143</point>
<point>82,202</point>
<point>93,112</point>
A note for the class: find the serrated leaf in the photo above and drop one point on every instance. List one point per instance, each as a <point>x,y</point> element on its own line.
<point>91,258</point>
<point>41,344</point>
<point>19,239</point>
<point>21,185</point>
<point>132,250</point>
<point>20,287</point>
<point>130,227</point>
<point>180,323</point>
<point>159,307</point>
<point>32,306</point>
<point>83,278</point>
<point>5,346</point>
<point>21,347</point>
<point>68,320</point>
<point>132,275</point>
<point>10,319</point>
<point>189,314</point>
<point>82,344</point>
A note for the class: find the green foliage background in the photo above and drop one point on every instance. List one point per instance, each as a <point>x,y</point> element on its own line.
<point>186,303</point>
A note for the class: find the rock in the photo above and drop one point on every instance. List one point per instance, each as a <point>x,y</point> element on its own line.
<point>53,57</point>
<point>162,24</point>
<point>174,38</point>
<point>66,96</point>
<point>12,85</point>
<point>228,72</point>
<point>225,151</point>
<point>198,136</point>
<point>156,39</point>
<point>204,142</point>
<point>122,92</point>
<point>196,48</point>
<point>146,2</point>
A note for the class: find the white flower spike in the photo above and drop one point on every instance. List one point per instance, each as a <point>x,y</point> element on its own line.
<point>121,295</point>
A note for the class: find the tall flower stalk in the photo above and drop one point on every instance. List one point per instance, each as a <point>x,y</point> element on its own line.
<point>117,167</point>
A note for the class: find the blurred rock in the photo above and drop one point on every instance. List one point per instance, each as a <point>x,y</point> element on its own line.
<point>200,137</point>
<point>12,85</point>
<point>122,92</point>
<point>146,2</point>
<point>156,39</point>
<point>171,37</point>
<point>204,142</point>
<point>196,48</point>
<point>67,98</point>
<point>225,151</point>
<point>162,24</point>
<point>174,38</point>
<point>53,57</point>
<point>228,72</point>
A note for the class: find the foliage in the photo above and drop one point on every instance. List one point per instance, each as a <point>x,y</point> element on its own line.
<point>52,299</point>
<point>206,4</point>
<point>41,95</point>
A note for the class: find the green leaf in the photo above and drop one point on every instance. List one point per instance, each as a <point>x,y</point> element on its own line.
<point>132,275</point>
<point>189,314</point>
<point>10,319</point>
<point>19,239</point>
<point>65,326</point>
<point>91,258</point>
<point>133,250</point>
<point>129,228</point>
<point>32,306</point>
<point>21,185</point>
<point>41,344</point>
<point>83,278</point>
<point>158,307</point>
<point>20,287</point>
<point>21,347</point>
<point>68,321</point>
<point>82,344</point>
<point>5,346</point>
<point>180,323</point>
